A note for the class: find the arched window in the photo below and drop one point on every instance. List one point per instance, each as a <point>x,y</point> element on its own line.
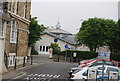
<point>13,35</point>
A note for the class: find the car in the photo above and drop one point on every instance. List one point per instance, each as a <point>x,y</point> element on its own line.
<point>89,62</point>
<point>73,69</point>
<point>82,74</point>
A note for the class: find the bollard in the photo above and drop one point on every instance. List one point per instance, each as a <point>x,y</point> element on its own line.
<point>31,60</point>
<point>24,62</point>
<point>7,62</point>
<point>15,64</point>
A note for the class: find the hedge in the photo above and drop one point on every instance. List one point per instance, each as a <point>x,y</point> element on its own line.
<point>80,54</point>
<point>115,57</point>
<point>88,54</point>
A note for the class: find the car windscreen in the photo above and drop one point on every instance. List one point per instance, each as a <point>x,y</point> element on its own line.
<point>111,69</point>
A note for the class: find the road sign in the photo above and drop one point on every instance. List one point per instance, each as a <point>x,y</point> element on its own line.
<point>66,46</point>
<point>104,55</point>
<point>74,54</point>
<point>55,40</point>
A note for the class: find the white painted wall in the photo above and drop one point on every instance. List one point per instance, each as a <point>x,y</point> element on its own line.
<point>1,54</point>
<point>46,41</point>
<point>2,47</point>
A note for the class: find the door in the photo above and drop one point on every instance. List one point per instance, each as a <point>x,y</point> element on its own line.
<point>11,59</point>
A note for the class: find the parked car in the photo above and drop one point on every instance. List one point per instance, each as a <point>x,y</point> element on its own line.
<point>73,69</point>
<point>99,61</point>
<point>82,74</point>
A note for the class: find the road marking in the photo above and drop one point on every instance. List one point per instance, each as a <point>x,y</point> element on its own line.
<point>56,76</point>
<point>30,75</point>
<point>50,75</point>
<point>41,77</point>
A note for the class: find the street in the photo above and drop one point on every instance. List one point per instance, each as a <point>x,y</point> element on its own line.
<point>45,70</point>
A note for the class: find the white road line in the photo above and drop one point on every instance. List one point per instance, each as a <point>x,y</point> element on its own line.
<point>43,75</point>
<point>30,75</point>
<point>49,79</point>
<point>36,74</point>
<point>56,76</point>
<point>39,75</point>
<point>50,76</point>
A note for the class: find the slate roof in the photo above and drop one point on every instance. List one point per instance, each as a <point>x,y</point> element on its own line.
<point>67,39</point>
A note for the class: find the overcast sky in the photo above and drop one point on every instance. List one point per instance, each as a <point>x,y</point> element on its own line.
<point>71,12</point>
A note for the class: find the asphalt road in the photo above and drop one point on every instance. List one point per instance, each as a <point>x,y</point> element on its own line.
<point>46,70</point>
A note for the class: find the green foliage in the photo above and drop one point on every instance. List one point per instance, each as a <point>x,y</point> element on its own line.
<point>96,32</point>
<point>114,41</point>
<point>115,57</point>
<point>80,54</point>
<point>34,52</point>
<point>35,31</point>
<point>55,47</point>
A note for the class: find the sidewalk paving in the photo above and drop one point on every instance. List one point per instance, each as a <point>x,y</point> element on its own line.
<point>11,73</point>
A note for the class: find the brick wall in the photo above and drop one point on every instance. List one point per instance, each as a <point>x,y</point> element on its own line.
<point>20,48</point>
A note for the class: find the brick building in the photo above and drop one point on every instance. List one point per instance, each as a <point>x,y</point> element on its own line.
<point>16,31</point>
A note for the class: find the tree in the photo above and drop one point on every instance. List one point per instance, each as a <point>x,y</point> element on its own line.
<point>94,32</point>
<point>114,38</point>
<point>55,47</point>
<point>36,31</point>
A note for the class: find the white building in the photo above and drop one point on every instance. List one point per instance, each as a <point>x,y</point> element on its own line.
<point>63,37</point>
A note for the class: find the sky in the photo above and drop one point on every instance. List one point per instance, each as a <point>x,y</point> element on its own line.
<point>71,12</point>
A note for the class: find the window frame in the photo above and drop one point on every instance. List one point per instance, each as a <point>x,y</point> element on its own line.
<point>1,29</point>
<point>24,8</point>
<point>15,6</point>
<point>13,34</point>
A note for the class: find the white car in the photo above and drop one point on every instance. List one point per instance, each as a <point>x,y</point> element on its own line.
<point>82,74</point>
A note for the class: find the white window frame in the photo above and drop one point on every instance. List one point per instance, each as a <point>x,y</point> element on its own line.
<point>15,7</point>
<point>1,10</point>
<point>11,59</point>
<point>24,8</point>
<point>1,28</point>
<point>13,35</point>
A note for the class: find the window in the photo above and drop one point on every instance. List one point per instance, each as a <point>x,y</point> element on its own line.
<point>85,73</point>
<point>111,69</point>
<point>43,48</point>
<point>1,9</point>
<point>15,6</point>
<point>13,36</point>
<point>11,59</point>
<point>46,48</point>
<point>40,48</point>
<point>24,8</point>
<point>101,68</point>
<point>1,28</point>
